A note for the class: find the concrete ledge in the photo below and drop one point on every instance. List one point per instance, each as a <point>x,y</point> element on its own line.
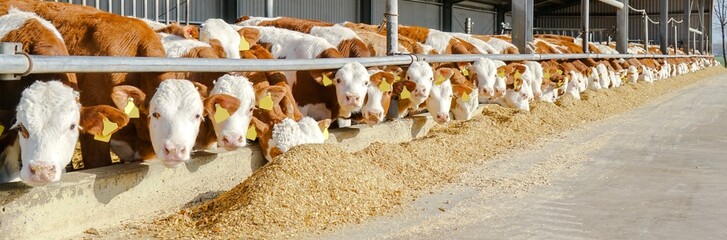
<point>127,192</point>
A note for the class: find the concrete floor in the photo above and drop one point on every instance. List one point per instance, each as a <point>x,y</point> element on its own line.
<point>658,172</point>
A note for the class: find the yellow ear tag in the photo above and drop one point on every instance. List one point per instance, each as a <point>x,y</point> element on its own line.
<point>384,86</point>
<point>501,73</point>
<point>244,45</point>
<point>465,72</point>
<point>2,129</point>
<point>405,94</point>
<point>560,83</point>
<point>465,97</point>
<point>251,133</point>
<point>398,78</point>
<point>108,128</point>
<point>325,133</point>
<point>267,102</point>
<point>221,114</point>
<point>518,75</point>
<point>131,110</point>
<point>546,75</point>
<point>560,72</point>
<point>326,81</point>
<point>439,81</point>
<point>516,85</point>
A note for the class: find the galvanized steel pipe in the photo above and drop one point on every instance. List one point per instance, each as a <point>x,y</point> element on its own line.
<point>392,27</point>
<point>269,8</point>
<point>585,16</point>
<point>614,3</point>
<point>16,64</point>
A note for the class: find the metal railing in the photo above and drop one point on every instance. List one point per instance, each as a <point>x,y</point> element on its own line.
<point>594,34</point>
<point>145,10</point>
<point>18,64</point>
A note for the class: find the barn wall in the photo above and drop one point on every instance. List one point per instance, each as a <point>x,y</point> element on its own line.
<point>483,22</point>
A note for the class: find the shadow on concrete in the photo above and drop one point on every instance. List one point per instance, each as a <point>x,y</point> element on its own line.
<point>116,179</point>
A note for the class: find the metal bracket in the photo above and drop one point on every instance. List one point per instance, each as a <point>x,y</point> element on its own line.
<point>10,49</point>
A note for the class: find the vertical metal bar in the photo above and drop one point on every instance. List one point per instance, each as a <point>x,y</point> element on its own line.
<point>500,20</point>
<point>701,26</point>
<point>123,8</point>
<point>622,28</point>
<point>156,10</point>
<point>675,38</point>
<point>522,24</point>
<point>133,6</point>
<point>392,26</point>
<point>83,2</point>
<point>177,9</point>
<point>585,15</point>
<point>98,6</point>
<point>686,25</point>
<point>111,6</point>
<point>269,8</point>
<point>166,11</point>
<point>645,32</point>
<point>664,26</point>
<point>365,15</point>
<point>186,15</point>
<point>468,25</point>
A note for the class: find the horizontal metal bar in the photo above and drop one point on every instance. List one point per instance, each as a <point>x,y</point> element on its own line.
<point>16,64</point>
<point>613,3</point>
<point>695,31</point>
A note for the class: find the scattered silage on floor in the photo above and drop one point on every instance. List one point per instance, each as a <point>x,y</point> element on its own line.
<point>319,187</point>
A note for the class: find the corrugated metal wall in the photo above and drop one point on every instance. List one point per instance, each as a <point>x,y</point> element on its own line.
<point>636,24</point>
<point>483,21</point>
<point>326,10</point>
<point>651,6</point>
<point>420,13</point>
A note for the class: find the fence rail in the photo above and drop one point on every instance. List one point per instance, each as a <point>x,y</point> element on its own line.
<point>30,64</point>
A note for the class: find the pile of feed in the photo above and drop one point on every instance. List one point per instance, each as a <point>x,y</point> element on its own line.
<point>315,188</point>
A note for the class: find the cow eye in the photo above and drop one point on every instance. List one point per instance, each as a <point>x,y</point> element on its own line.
<point>156,115</point>
<point>197,116</point>
<point>73,126</point>
<point>366,83</point>
<point>338,80</point>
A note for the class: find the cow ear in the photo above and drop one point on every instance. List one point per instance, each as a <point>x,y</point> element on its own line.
<point>202,89</point>
<point>260,126</point>
<point>277,93</point>
<point>324,124</point>
<point>323,77</point>
<point>191,32</point>
<point>372,49</point>
<point>91,120</point>
<point>121,95</point>
<point>223,100</point>
<point>460,89</point>
<point>399,87</point>
<point>217,47</point>
<point>446,72</point>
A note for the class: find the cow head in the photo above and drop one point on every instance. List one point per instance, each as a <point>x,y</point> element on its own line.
<point>422,75</point>
<point>555,82</point>
<point>351,82</point>
<point>440,99</point>
<point>484,73</point>
<point>378,96</point>
<point>235,95</point>
<point>175,114</point>
<point>218,29</point>
<point>49,119</point>
<point>465,102</point>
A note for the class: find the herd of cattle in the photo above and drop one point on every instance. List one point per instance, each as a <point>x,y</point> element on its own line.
<point>142,116</point>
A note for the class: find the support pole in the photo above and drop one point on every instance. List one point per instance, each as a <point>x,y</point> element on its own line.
<point>522,24</point>
<point>392,26</point>
<point>585,15</point>
<point>701,26</point>
<point>645,32</point>
<point>187,18</point>
<point>447,15</point>
<point>468,25</point>
<point>622,28</point>
<point>685,27</point>
<point>268,8</point>
<point>675,38</point>
<point>664,26</point>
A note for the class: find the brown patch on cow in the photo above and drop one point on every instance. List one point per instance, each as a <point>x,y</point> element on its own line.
<point>251,35</point>
<point>188,31</point>
<point>350,48</point>
<point>415,33</point>
<point>471,48</point>
<point>330,53</point>
<point>295,24</point>
<point>231,103</point>
<point>91,120</point>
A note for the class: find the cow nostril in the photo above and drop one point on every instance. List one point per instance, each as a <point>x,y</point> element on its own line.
<point>183,150</point>
<point>240,139</point>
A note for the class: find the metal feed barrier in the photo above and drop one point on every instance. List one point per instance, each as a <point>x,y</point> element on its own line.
<point>13,65</point>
